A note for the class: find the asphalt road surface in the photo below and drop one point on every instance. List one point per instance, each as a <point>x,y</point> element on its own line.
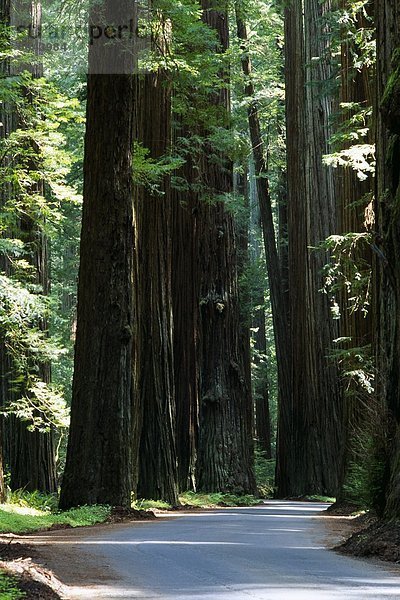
<point>271,552</point>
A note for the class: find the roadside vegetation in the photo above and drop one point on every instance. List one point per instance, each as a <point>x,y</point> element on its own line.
<point>27,512</point>
<point>9,588</point>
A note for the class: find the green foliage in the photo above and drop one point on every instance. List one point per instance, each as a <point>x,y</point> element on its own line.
<point>348,271</point>
<point>150,172</point>
<point>327,499</point>
<point>9,588</point>
<point>366,478</point>
<point>352,25</point>
<point>216,499</point>
<point>265,474</point>
<point>200,500</point>
<point>34,169</point>
<point>21,311</point>
<point>47,503</point>
<point>15,518</point>
<point>351,139</point>
<point>149,504</point>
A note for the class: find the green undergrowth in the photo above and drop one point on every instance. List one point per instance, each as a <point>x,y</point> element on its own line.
<point>265,474</point>
<point>317,498</point>
<point>200,500</point>
<point>150,504</point>
<point>217,499</point>
<point>9,588</point>
<point>26,512</point>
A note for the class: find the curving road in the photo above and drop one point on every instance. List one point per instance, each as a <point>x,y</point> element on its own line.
<point>271,552</point>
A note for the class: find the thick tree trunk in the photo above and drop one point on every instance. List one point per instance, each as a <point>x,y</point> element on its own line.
<point>315,429</point>
<point>155,365</point>
<point>387,272</point>
<point>225,443</point>
<point>355,326</point>
<point>98,467</point>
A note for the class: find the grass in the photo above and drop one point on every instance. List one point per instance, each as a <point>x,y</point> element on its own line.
<point>199,500</point>
<point>9,588</point>
<point>27,512</point>
<point>216,499</point>
<point>320,499</point>
<point>149,504</point>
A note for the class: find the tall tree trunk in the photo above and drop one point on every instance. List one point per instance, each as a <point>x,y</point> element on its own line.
<point>98,466</point>
<point>279,310</point>
<point>387,271</point>
<point>355,326</point>
<point>242,190</point>
<point>155,366</point>
<point>185,293</point>
<point>261,391</point>
<point>225,444</point>
<point>316,411</point>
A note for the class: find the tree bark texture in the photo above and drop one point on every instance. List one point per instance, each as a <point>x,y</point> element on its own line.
<point>387,272</point>
<point>225,443</point>
<point>98,466</point>
<point>158,476</point>
<point>355,326</point>
<point>185,293</point>
<point>315,413</point>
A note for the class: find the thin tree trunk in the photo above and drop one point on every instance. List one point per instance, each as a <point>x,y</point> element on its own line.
<point>261,392</point>
<point>185,293</point>
<point>279,310</point>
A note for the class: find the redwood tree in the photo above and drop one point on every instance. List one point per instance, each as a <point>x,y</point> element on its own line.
<point>313,424</point>
<point>225,429</point>
<point>387,241</point>
<point>154,358</point>
<point>98,466</point>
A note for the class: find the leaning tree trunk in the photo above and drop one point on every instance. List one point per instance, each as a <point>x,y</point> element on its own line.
<point>225,442</point>
<point>158,476</point>
<point>98,467</point>
<point>387,242</point>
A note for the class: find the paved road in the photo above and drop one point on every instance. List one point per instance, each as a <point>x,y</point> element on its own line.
<point>271,552</point>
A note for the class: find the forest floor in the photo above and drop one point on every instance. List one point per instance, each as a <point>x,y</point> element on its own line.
<point>365,535</point>
<point>361,536</point>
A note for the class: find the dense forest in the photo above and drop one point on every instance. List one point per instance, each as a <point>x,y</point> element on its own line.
<point>200,249</point>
